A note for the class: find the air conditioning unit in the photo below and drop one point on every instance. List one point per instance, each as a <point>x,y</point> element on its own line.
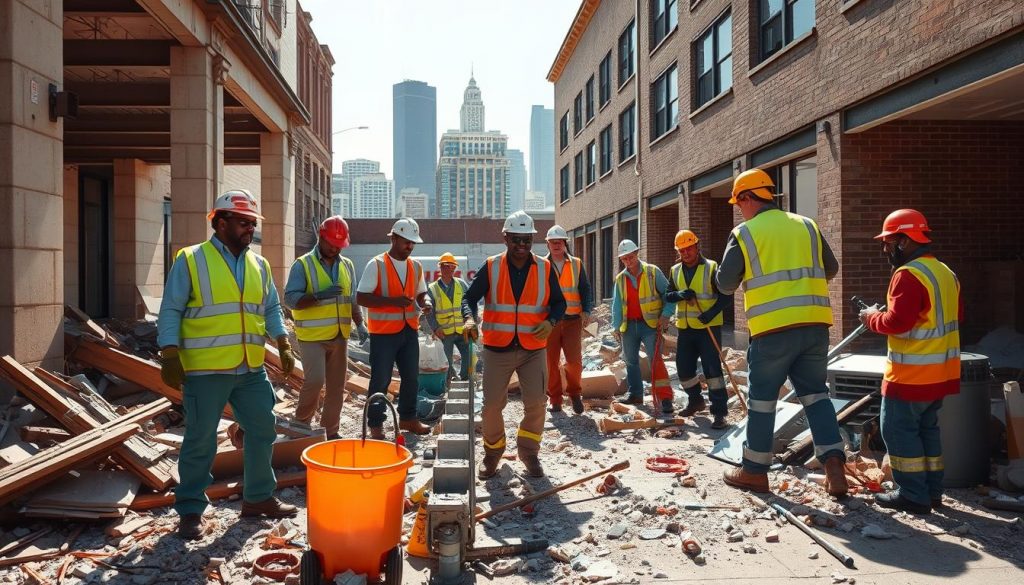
<point>854,376</point>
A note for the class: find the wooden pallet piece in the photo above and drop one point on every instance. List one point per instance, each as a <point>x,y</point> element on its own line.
<point>216,491</point>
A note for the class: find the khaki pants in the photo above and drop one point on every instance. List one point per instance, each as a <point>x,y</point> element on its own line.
<point>531,367</point>
<point>323,360</point>
<point>565,338</point>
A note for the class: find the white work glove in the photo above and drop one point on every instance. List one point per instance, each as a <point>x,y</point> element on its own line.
<point>865,314</point>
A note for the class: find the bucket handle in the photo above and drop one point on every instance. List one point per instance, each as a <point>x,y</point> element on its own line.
<point>391,407</point>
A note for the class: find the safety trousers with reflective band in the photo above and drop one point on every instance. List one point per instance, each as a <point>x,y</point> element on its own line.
<point>449,311</point>
<point>326,318</point>
<point>569,281</point>
<point>393,319</point>
<point>647,293</point>
<point>784,279</point>
<point>223,327</point>
<point>506,318</point>
<point>912,438</point>
<point>687,313</point>
<point>930,352</point>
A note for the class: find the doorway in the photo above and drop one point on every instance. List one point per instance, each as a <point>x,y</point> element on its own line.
<point>94,243</point>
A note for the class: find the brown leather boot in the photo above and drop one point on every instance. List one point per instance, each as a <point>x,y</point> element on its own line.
<point>532,464</point>
<point>270,507</point>
<point>414,426</point>
<point>489,465</point>
<point>745,480</point>
<point>693,407</point>
<point>190,527</point>
<point>835,477</point>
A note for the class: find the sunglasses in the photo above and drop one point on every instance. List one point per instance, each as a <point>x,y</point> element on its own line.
<point>244,223</point>
<point>521,240</point>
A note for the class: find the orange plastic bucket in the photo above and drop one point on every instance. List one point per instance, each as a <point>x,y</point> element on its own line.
<point>355,494</point>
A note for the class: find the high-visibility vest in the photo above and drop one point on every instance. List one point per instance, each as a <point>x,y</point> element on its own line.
<point>223,327</point>
<point>784,272</point>
<point>449,311</point>
<point>686,313</point>
<point>930,352</point>
<point>391,319</point>
<point>504,317</point>
<point>569,282</point>
<point>647,293</point>
<point>325,318</point>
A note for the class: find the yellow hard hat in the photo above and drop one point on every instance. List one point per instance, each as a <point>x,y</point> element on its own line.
<point>756,181</point>
<point>685,239</point>
<point>447,258</point>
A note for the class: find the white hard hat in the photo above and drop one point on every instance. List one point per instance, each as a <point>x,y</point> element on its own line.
<point>627,247</point>
<point>408,229</point>
<point>557,232</point>
<point>238,202</point>
<point>519,223</point>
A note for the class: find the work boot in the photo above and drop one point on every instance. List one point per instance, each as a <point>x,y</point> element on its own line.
<point>895,501</point>
<point>835,477</point>
<point>937,502</point>
<point>414,426</point>
<point>719,422</point>
<point>555,408</point>
<point>489,465</point>
<point>270,507</point>
<point>693,406</point>
<point>577,404</point>
<point>377,433</point>
<point>532,464</point>
<point>630,399</point>
<point>666,406</point>
<point>745,480</point>
<point>333,437</point>
<point>190,527</point>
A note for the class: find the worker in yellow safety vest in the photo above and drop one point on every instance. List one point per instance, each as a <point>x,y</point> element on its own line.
<point>446,322</point>
<point>218,308</point>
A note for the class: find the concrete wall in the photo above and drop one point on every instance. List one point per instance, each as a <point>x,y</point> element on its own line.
<point>71,234</point>
<point>138,233</point>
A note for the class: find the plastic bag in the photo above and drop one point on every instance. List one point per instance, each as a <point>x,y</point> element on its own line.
<point>432,358</point>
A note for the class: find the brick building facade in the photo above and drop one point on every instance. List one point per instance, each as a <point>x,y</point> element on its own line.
<point>856,107</point>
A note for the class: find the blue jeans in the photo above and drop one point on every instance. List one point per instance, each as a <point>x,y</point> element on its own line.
<point>252,401</point>
<point>692,344</point>
<point>388,350</point>
<point>450,342</point>
<point>801,355</point>
<point>911,434</point>
<point>637,331</point>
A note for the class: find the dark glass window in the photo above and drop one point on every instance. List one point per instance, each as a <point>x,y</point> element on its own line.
<point>713,56</point>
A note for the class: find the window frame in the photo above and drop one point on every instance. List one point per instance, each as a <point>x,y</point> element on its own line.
<point>578,173</point>
<point>563,132</point>
<point>713,31</point>
<point>604,83</point>
<point>630,140</point>
<point>577,114</point>
<point>606,154</point>
<point>663,120</point>
<point>669,20</point>
<point>785,16</point>
<point>563,187</point>
<point>626,37</point>
<point>588,100</point>
<point>591,163</point>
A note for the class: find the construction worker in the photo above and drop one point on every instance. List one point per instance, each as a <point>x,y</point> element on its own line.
<point>320,294</point>
<point>218,307</point>
<point>567,337</point>
<point>446,294</point>
<point>522,304</point>
<point>784,264</point>
<point>391,288</point>
<point>698,316</point>
<point>922,321</point>
<point>639,314</point>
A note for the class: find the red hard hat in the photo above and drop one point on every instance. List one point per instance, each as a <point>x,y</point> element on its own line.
<point>909,222</point>
<point>334,230</point>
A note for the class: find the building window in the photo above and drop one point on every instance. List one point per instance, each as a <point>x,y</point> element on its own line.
<point>666,103</point>
<point>591,162</point>
<point>714,60</point>
<point>606,149</point>
<point>781,21</point>
<point>627,52</point>
<point>577,114</point>
<point>589,88</point>
<point>578,172</point>
<point>563,184</point>
<point>608,267</point>
<point>663,19</point>
<point>604,83</point>
<point>626,129</point>
<point>629,230</point>
<point>563,132</point>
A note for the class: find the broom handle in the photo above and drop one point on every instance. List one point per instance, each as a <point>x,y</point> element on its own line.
<point>721,358</point>
<point>526,500</point>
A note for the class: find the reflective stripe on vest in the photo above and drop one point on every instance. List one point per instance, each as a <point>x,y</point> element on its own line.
<point>930,352</point>
<point>504,318</point>
<point>686,313</point>
<point>449,311</point>
<point>393,319</point>
<point>569,282</point>
<point>222,327</point>
<point>326,318</point>
<point>647,294</point>
<point>784,278</point>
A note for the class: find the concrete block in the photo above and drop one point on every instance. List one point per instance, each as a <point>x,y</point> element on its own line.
<point>452,476</point>
<point>458,393</point>
<point>453,446</point>
<point>456,424</point>
<point>457,407</point>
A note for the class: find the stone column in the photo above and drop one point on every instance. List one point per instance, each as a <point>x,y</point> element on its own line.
<point>31,183</point>
<point>139,191</point>
<point>278,203</point>
<point>197,144</point>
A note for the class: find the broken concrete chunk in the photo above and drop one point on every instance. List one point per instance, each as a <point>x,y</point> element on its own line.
<point>875,531</point>
<point>503,567</point>
<point>813,555</point>
<point>749,548</point>
<point>652,533</point>
<point>616,531</point>
<point>772,536</point>
<point>580,562</point>
<point>601,570</point>
<point>349,578</point>
<point>735,536</point>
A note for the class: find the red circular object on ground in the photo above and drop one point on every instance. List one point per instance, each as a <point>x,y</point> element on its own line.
<point>276,565</point>
<point>668,464</point>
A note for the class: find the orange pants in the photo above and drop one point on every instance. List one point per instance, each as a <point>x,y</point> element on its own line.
<point>565,337</point>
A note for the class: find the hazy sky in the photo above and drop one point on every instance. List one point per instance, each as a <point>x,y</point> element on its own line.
<point>377,43</point>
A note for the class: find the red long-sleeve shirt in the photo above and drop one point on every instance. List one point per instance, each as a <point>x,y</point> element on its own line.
<point>908,302</point>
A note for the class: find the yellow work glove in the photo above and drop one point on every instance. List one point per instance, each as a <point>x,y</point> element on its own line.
<point>543,330</point>
<point>287,357</point>
<point>171,370</point>
<point>469,330</point>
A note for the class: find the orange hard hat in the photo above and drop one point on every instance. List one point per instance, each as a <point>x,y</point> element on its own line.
<point>447,258</point>
<point>334,231</point>
<point>909,222</point>
<point>756,181</point>
<point>238,202</point>
<point>685,239</point>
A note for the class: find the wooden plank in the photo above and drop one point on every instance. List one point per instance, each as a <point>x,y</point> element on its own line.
<point>33,434</point>
<point>228,463</point>
<point>79,316</point>
<point>217,491</point>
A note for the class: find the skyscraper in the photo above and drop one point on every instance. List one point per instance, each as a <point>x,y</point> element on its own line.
<point>373,195</point>
<point>542,152</point>
<point>342,184</point>
<point>471,115</point>
<point>517,189</point>
<point>412,203</point>
<point>414,137</point>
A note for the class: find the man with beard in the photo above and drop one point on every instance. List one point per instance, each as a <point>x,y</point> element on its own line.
<point>522,303</point>
<point>391,288</point>
<point>319,292</point>
<point>922,321</point>
<point>219,305</point>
